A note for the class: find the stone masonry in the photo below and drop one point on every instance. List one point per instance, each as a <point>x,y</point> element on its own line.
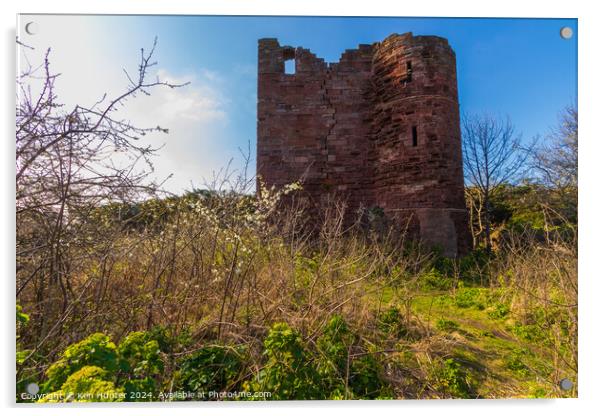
<point>379,128</point>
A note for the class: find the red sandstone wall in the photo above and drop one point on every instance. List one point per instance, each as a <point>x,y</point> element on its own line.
<point>347,129</point>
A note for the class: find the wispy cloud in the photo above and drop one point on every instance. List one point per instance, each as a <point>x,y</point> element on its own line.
<point>91,60</point>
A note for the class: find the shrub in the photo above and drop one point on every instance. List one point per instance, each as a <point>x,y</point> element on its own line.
<point>212,368</point>
<point>529,332</point>
<point>88,384</point>
<point>22,319</point>
<point>288,373</point>
<point>450,377</point>
<point>139,363</point>
<point>131,368</point>
<point>97,350</point>
<point>365,380</point>
<point>333,346</point>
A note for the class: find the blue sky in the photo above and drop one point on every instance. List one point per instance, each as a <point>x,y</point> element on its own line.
<point>516,67</point>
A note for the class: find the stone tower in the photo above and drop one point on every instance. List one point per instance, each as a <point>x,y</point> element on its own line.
<point>379,128</point>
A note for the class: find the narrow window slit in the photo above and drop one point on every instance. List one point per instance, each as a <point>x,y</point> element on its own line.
<point>414,136</point>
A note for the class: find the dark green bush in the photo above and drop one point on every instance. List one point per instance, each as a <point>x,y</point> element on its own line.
<point>365,379</point>
<point>288,373</point>
<point>139,363</point>
<point>514,362</point>
<point>212,368</point>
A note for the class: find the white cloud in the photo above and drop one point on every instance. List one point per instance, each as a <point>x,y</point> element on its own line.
<point>196,117</point>
<point>91,59</point>
<point>198,101</point>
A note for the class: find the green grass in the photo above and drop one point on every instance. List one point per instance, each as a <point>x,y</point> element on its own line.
<point>500,362</point>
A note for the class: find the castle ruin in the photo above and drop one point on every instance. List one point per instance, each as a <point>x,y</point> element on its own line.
<point>379,128</point>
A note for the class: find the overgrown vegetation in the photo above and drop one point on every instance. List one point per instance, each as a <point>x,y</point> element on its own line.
<point>194,302</point>
<point>225,295</point>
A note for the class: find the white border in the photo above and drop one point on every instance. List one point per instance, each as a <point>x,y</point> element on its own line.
<point>590,270</point>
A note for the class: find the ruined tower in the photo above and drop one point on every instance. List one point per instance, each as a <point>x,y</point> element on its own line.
<point>379,128</point>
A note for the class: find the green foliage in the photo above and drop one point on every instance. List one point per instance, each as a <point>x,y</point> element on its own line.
<point>131,368</point>
<point>288,373</point>
<point>536,322</point>
<point>514,362</point>
<point>88,384</point>
<point>212,368</point>
<point>333,348</point>
<point>499,311</point>
<point>365,379</point>
<point>22,318</point>
<point>361,374</point>
<point>392,322</point>
<point>447,325</point>
<point>472,297</point>
<point>529,332</point>
<point>139,362</point>
<point>435,280</point>
<point>451,377</point>
<point>519,209</point>
<point>335,341</point>
<point>305,269</point>
<point>96,350</point>
<point>474,268</point>
<point>169,342</point>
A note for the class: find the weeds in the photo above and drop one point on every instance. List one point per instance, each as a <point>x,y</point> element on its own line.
<point>224,292</point>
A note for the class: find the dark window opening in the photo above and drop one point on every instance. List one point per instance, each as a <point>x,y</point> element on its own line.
<point>409,71</point>
<point>289,66</point>
<point>414,136</point>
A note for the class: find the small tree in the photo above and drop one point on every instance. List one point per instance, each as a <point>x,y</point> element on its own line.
<point>493,155</point>
<point>65,170</point>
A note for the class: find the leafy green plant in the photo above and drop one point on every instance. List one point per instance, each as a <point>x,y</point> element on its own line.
<point>214,367</point>
<point>447,325</point>
<point>435,280</point>
<point>22,318</point>
<point>529,332</point>
<point>470,297</point>
<point>392,322</point>
<point>139,363</point>
<point>96,350</point>
<point>24,376</point>
<point>499,311</point>
<point>88,384</point>
<point>22,321</point>
<point>449,376</point>
<point>288,373</point>
<point>333,348</point>
<point>513,361</point>
<point>365,379</point>
<point>131,368</point>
